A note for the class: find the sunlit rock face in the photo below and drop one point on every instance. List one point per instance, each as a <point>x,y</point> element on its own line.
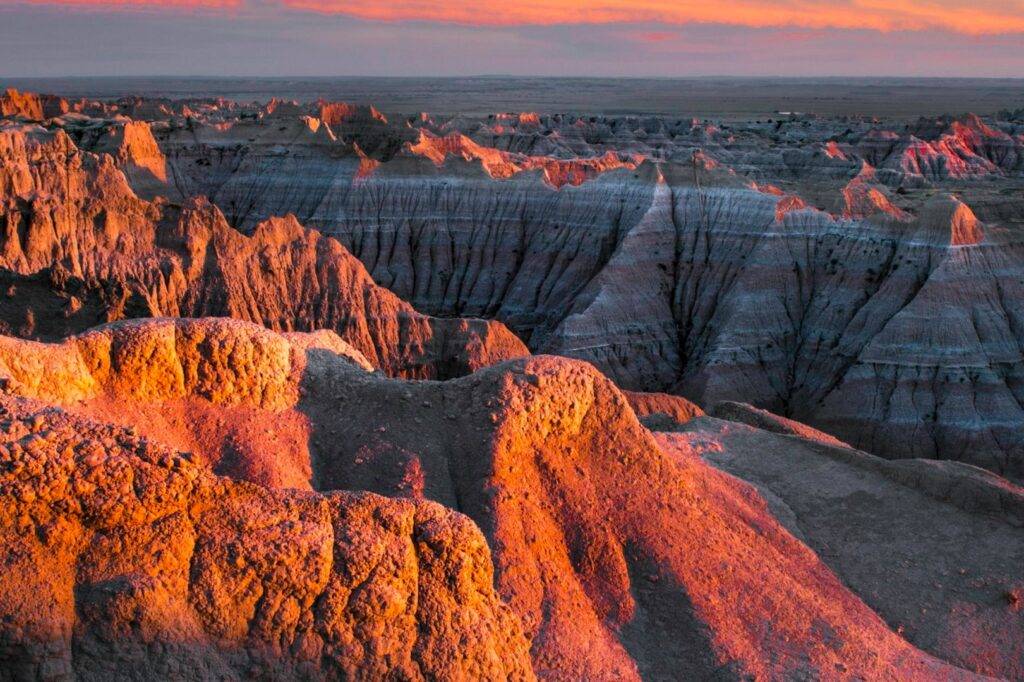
<point>234,558</point>
<point>127,558</point>
<point>80,247</point>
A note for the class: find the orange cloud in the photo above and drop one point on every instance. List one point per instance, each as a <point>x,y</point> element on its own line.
<point>980,17</point>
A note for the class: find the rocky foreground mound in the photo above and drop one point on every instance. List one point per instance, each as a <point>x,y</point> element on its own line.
<point>616,554</point>
<point>933,547</point>
<point>124,559</point>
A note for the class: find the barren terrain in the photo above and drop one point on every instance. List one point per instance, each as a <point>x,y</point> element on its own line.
<point>316,389</point>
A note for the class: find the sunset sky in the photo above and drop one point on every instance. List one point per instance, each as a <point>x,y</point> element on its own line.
<point>541,37</point>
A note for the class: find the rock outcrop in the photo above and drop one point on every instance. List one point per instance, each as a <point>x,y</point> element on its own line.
<point>21,105</point>
<point>765,420</point>
<point>662,411</point>
<point>856,275</point>
<point>30,106</point>
<point>246,495</point>
<point>126,559</point>
<point>868,518</point>
<point>591,522</point>
<point>770,262</point>
<point>72,220</point>
<point>787,264</point>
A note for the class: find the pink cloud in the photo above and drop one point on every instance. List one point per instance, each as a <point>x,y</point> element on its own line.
<point>654,36</point>
<point>980,17</point>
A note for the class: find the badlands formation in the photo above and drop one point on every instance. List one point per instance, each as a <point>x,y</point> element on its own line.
<point>859,276</point>
<point>311,391</point>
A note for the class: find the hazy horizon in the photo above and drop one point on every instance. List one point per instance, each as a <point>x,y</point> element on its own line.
<point>453,38</point>
<point>477,76</point>
<point>735,97</point>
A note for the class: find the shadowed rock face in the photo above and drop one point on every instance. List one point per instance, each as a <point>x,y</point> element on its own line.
<point>868,517</point>
<point>592,522</point>
<point>71,221</point>
<point>858,276</point>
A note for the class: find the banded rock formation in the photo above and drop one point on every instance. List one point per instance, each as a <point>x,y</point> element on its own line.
<point>853,274</point>
<point>780,263</point>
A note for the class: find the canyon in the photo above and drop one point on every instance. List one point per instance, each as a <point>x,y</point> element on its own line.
<point>860,278</point>
<point>316,390</point>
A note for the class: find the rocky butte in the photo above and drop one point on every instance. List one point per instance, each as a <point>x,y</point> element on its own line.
<point>312,391</point>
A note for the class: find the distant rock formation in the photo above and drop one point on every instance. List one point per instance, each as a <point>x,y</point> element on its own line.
<point>855,274</point>
<point>73,223</point>
<point>502,165</point>
<point>31,106</point>
<point>21,105</point>
<point>866,197</point>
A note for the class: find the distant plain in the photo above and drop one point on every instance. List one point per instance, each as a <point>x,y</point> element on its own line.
<point>718,98</point>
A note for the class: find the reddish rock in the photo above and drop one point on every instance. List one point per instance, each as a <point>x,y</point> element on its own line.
<point>21,105</point>
<point>591,522</point>
<point>123,558</point>
<point>81,219</point>
<point>662,411</point>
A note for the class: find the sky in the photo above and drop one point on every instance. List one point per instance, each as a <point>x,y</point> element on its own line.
<point>660,38</point>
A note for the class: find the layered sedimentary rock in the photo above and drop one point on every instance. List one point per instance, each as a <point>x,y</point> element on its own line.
<point>71,220</point>
<point>212,498</point>
<point>944,149</point>
<point>592,525</point>
<point>768,262</point>
<point>855,274</point>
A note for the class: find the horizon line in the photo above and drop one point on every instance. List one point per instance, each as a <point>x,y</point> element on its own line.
<point>512,76</point>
